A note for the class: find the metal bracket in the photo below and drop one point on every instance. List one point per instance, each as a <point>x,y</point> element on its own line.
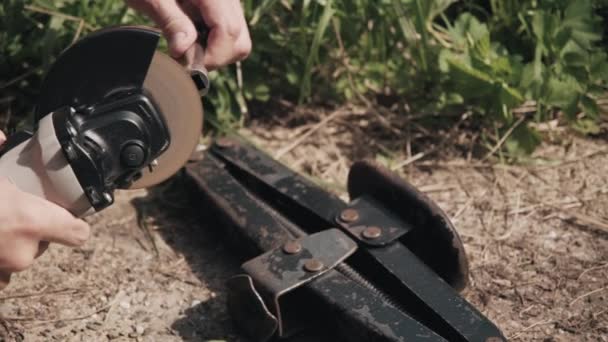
<point>370,223</point>
<point>254,299</point>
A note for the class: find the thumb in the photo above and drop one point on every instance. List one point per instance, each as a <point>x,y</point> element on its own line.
<point>52,223</point>
<point>177,27</point>
<point>2,138</point>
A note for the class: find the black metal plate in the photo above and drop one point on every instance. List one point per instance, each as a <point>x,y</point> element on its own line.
<point>434,239</point>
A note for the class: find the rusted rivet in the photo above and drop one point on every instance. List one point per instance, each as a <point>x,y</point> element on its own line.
<point>224,142</point>
<point>292,247</point>
<point>349,215</point>
<point>495,339</point>
<point>313,265</point>
<point>372,232</point>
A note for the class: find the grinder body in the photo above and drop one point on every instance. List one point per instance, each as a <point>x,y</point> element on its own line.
<point>37,165</point>
<point>113,113</point>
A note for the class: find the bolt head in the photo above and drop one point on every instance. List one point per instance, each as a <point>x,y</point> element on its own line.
<point>292,247</point>
<point>71,130</point>
<point>313,265</point>
<point>349,215</point>
<point>108,197</point>
<point>70,151</point>
<point>93,196</point>
<point>372,232</point>
<point>132,155</point>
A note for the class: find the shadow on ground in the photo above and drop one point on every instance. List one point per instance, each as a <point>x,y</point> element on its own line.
<point>186,228</point>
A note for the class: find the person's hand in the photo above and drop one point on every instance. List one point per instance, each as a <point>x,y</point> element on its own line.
<point>27,224</point>
<point>228,40</point>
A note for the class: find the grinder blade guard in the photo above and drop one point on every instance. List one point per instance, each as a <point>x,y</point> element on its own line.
<point>386,266</point>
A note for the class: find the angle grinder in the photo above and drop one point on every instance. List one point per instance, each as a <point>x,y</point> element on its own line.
<point>113,113</point>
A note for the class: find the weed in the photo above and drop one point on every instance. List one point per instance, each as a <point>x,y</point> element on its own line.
<point>487,57</point>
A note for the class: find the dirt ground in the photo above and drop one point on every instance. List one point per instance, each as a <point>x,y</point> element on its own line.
<point>536,238</point>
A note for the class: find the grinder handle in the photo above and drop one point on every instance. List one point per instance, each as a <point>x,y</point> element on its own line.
<point>36,164</point>
<point>193,61</point>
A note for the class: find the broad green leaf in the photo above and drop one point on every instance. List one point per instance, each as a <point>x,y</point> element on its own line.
<point>522,141</point>
<point>562,38</point>
<point>586,126</point>
<point>467,30</point>
<point>469,82</point>
<point>590,107</point>
<point>575,56</point>
<point>579,75</point>
<point>598,68</point>
<point>561,93</point>
<point>510,96</point>
<point>579,9</point>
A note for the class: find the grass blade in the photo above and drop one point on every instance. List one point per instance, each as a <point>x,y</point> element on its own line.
<point>261,10</point>
<point>328,12</point>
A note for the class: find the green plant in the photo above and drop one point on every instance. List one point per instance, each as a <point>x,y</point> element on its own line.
<point>486,57</point>
<point>545,53</point>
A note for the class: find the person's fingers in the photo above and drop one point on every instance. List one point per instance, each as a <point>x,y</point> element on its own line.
<point>177,27</point>
<point>191,10</point>
<point>2,138</point>
<point>48,222</point>
<point>22,255</point>
<point>5,278</point>
<point>193,58</point>
<point>228,40</point>
<point>61,227</point>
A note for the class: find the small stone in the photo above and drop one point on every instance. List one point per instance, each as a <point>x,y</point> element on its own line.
<point>132,335</point>
<point>139,330</point>
<point>195,303</point>
<point>60,324</point>
<point>112,336</point>
<point>125,304</point>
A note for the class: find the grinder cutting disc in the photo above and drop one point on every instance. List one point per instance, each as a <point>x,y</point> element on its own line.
<point>176,96</point>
